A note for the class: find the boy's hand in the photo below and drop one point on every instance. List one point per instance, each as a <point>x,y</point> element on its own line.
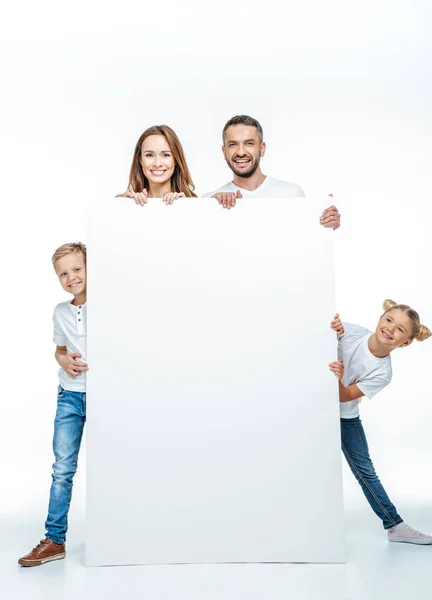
<point>140,197</point>
<point>337,367</point>
<point>169,197</point>
<point>337,326</point>
<point>228,199</point>
<point>71,366</point>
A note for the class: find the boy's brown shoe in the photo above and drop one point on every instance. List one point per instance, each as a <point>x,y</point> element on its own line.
<point>45,551</point>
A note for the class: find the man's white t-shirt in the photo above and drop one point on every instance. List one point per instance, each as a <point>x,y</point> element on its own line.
<point>370,373</point>
<point>270,188</point>
<point>70,326</point>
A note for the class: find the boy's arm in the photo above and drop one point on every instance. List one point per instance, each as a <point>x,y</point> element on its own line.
<point>68,363</point>
<point>60,351</point>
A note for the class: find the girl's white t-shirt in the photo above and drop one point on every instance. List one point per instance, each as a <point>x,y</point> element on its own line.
<point>370,373</point>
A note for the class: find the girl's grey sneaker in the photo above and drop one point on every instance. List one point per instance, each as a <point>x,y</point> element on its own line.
<point>405,533</point>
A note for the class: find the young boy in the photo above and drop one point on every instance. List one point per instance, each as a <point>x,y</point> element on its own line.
<point>70,338</point>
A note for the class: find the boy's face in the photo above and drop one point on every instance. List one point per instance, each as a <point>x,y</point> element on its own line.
<point>71,271</point>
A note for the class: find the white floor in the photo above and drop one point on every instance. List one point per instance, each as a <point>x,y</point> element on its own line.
<point>374,569</point>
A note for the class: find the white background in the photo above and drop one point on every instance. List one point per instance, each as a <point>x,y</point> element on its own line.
<point>352,117</point>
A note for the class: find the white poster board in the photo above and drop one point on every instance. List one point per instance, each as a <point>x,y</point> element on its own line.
<point>213,419</point>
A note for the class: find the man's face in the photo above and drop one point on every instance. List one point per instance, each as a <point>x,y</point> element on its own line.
<point>242,149</point>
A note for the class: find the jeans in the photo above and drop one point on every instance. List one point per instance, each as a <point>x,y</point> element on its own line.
<point>68,429</point>
<point>356,451</point>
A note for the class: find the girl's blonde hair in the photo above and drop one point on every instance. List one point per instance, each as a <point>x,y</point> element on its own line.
<point>420,332</point>
<point>67,249</point>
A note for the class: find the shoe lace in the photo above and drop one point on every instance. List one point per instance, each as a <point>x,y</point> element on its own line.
<point>414,531</point>
<point>42,543</point>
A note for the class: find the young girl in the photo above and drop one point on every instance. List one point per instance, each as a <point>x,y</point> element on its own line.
<point>363,369</point>
<point>159,168</point>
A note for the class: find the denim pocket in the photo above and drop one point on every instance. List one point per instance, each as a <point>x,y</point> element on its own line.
<point>61,392</point>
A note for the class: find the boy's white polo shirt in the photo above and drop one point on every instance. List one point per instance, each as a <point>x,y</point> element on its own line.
<point>70,326</point>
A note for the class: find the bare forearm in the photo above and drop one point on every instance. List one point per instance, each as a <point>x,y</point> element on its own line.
<point>60,353</point>
<point>343,393</point>
<point>349,392</point>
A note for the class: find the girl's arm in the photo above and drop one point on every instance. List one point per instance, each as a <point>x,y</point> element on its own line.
<point>349,392</point>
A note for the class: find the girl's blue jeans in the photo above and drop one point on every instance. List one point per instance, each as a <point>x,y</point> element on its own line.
<point>356,451</point>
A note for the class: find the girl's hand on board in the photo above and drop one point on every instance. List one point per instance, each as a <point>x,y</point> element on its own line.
<point>336,325</point>
<point>337,367</point>
<point>169,197</point>
<point>140,198</point>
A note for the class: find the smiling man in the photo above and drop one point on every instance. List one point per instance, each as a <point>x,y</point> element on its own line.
<point>243,147</point>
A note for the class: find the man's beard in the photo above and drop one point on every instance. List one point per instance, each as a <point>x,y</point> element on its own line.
<point>245,174</point>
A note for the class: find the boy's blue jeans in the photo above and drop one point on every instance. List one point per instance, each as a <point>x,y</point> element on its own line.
<point>68,429</point>
<point>356,451</point>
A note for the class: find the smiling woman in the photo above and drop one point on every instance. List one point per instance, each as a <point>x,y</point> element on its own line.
<point>159,168</point>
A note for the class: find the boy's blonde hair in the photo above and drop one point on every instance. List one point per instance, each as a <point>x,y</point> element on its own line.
<point>68,249</point>
<point>420,332</point>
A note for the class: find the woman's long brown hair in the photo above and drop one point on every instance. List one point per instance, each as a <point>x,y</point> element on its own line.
<point>181,180</point>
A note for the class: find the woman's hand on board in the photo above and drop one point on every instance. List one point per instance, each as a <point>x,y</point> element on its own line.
<point>169,197</point>
<point>140,198</point>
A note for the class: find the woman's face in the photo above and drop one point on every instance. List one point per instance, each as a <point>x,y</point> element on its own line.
<point>157,160</point>
<point>394,329</point>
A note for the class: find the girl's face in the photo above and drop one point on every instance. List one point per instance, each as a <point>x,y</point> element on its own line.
<point>394,329</point>
<point>157,160</point>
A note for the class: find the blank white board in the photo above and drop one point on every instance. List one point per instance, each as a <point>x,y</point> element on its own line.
<point>213,419</point>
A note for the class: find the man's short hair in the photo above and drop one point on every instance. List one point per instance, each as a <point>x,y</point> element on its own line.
<point>244,120</point>
<point>68,249</point>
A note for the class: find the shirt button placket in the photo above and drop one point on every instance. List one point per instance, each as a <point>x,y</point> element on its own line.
<point>79,321</point>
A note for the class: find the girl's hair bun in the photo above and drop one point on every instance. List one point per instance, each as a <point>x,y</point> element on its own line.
<point>388,304</point>
<point>423,333</point>
<point>420,332</point>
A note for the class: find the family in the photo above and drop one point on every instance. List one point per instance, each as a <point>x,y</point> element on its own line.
<point>159,170</point>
